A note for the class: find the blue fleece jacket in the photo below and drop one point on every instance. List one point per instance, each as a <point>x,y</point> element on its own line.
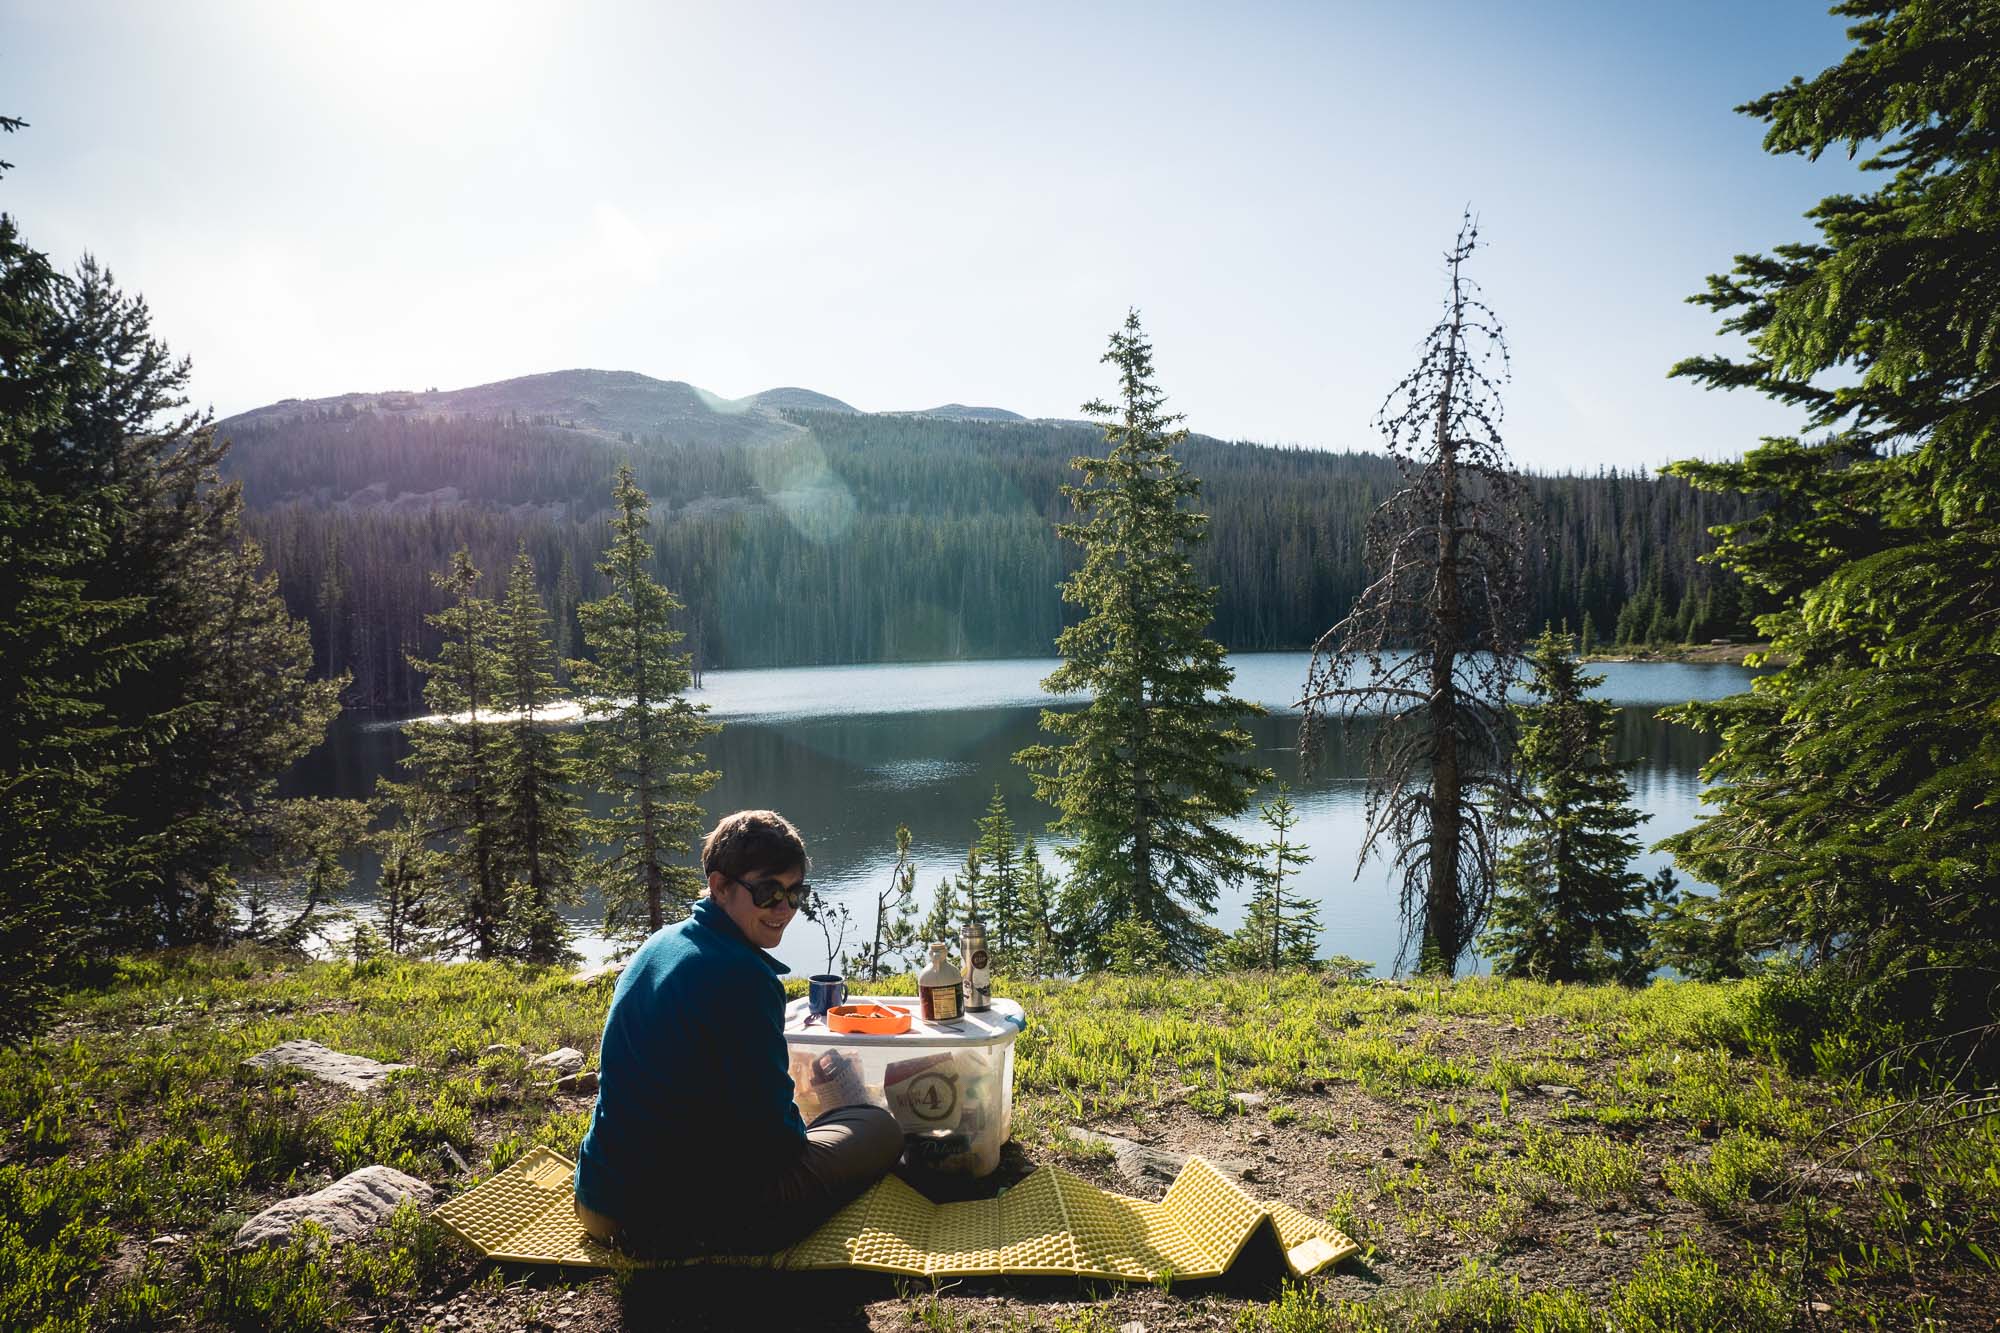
<point>693,1092</point>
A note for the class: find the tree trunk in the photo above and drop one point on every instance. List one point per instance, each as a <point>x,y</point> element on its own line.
<point>1444,922</point>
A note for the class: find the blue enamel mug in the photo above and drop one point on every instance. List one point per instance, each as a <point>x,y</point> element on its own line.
<point>825,991</point>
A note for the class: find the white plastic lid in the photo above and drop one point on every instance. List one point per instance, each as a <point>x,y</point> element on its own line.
<point>988,1027</point>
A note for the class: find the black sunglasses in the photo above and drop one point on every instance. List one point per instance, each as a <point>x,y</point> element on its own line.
<point>767,891</point>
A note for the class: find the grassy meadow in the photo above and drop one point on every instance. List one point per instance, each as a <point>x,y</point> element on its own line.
<point>1510,1155</point>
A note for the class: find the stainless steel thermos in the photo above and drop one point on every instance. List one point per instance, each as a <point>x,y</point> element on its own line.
<point>977,969</point>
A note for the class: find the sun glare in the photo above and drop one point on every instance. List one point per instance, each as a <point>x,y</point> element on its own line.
<point>422,49</point>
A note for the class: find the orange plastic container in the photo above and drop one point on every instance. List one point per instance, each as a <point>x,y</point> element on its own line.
<point>879,1018</point>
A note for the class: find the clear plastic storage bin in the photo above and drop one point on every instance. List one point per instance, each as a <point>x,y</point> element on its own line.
<point>950,1086</point>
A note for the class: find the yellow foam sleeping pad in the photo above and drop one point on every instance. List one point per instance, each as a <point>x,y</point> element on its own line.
<point>1050,1223</point>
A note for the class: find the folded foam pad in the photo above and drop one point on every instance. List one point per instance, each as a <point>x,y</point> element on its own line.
<point>1050,1223</point>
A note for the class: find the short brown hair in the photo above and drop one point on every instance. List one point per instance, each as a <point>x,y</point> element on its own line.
<point>753,840</point>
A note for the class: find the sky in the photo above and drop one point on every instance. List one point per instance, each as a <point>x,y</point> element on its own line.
<point>908,205</point>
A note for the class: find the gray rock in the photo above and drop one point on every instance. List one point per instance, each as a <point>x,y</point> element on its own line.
<point>499,1048</point>
<point>349,1208</point>
<point>585,975</point>
<point>579,1084</point>
<point>1147,1167</point>
<point>1557,1090</point>
<point>350,1071</point>
<point>1249,1101</point>
<point>563,1059</point>
<point>1819,1174</point>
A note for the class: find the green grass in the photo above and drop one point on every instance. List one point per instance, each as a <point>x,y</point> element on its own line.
<point>136,1119</point>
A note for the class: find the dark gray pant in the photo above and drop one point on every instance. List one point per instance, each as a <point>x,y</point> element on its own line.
<point>845,1152</point>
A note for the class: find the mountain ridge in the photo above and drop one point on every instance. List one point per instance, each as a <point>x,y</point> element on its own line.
<point>612,404</point>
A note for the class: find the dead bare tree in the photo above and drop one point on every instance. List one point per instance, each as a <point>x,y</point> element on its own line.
<point>1435,639</point>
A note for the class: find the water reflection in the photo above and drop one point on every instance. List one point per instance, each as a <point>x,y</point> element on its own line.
<point>869,759</point>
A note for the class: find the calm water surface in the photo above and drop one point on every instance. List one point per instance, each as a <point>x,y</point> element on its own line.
<point>847,753</point>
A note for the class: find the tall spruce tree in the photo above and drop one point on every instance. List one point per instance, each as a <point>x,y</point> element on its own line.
<point>1145,772</point>
<point>1854,821</point>
<point>454,787</point>
<point>62,750</point>
<point>1433,642</point>
<point>1570,906</point>
<point>643,738</point>
<point>1281,928</point>
<point>540,830</point>
<point>152,683</point>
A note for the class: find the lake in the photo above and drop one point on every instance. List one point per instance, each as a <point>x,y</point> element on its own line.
<point>847,753</point>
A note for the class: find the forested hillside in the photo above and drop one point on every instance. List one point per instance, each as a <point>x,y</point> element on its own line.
<point>800,534</point>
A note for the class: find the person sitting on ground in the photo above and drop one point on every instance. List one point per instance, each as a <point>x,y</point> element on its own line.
<point>696,1145</point>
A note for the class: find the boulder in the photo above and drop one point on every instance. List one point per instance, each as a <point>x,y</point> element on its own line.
<point>563,1060</point>
<point>1249,1101</point>
<point>349,1208</point>
<point>1146,1167</point>
<point>580,1085</point>
<point>350,1071</point>
<point>584,976</point>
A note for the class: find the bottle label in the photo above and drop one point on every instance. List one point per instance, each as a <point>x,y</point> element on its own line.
<point>941,1003</point>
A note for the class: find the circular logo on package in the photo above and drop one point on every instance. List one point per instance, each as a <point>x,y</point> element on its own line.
<point>979,959</point>
<point>933,1096</point>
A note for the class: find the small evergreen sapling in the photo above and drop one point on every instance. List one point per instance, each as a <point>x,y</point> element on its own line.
<point>1045,952</point>
<point>1281,929</point>
<point>1570,906</point>
<point>895,919</point>
<point>1000,878</point>
<point>306,838</point>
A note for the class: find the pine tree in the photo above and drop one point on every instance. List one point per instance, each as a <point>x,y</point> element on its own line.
<point>1432,644</point>
<point>541,824</point>
<point>567,594</point>
<point>307,836</point>
<point>455,771</point>
<point>1144,773</point>
<point>1693,933</point>
<point>411,914</point>
<point>330,600</point>
<point>895,933</point>
<point>643,739</point>
<point>1570,906</point>
<point>1281,929</point>
<point>153,684</point>
<point>1044,950</point>
<point>1853,818</point>
<point>999,858</point>
<point>941,923</point>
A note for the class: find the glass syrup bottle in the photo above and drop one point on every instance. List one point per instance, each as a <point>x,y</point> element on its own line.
<point>937,987</point>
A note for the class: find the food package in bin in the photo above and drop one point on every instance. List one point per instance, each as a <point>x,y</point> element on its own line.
<point>825,1081</point>
<point>972,1149</point>
<point>927,1093</point>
